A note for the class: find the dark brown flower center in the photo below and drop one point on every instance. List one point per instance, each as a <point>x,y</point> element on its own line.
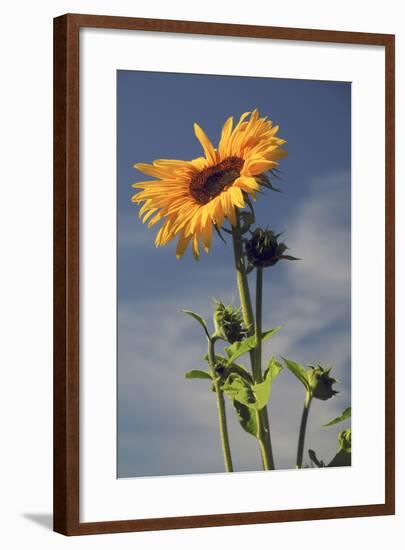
<point>210,182</point>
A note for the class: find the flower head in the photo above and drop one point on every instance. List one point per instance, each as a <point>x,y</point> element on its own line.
<point>229,323</point>
<point>264,250</point>
<point>321,383</point>
<point>192,196</point>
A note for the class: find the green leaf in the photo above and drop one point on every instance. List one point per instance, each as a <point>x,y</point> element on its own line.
<point>254,396</point>
<point>198,318</point>
<point>273,369</point>
<point>314,459</point>
<point>345,441</point>
<point>237,349</point>
<point>347,413</point>
<point>247,418</point>
<point>239,389</point>
<point>239,369</point>
<point>344,455</point>
<point>269,333</point>
<point>298,371</point>
<point>262,391</point>
<point>341,459</point>
<point>202,374</point>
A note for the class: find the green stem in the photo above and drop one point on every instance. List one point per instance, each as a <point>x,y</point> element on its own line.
<point>243,285</point>
<point>258,326</point>
<point>223,428</point>
<point>303,427</point>
<point>247,311</point>
<point>258,333</point>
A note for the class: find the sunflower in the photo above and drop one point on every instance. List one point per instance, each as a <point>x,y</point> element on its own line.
<point>192,196</point>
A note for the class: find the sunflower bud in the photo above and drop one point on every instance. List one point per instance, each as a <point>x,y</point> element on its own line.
<point>264,250</point>
<point>321,383</point>
<point>229,323</point>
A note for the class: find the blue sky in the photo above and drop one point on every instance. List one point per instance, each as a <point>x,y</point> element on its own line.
<point>166,424</point>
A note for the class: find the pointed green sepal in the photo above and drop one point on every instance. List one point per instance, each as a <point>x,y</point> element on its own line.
<point>200,374</point>
<point>347,413</point>
<point>198,318</point>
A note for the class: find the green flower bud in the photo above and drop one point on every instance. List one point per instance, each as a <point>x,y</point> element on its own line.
<point>229,323</point>
<point>345,441</point>
<point>321,383</point>
<point>264,250</point>
<point>220,370</point>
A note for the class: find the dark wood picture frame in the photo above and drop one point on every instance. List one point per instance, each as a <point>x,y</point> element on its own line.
<point>66,273</point>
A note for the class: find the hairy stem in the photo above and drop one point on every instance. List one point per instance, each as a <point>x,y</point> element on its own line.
<point>241,278</point>
<point>247,311</point>
<point>258,359</point>
<point>303,427</point>
<point>258,326</point>
<point>223,427</point>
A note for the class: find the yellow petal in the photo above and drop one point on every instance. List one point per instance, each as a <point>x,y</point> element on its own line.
<point>255,167</point>
<point>232,215</point>
<point>199,163</point>
<point>242,118</point>
<point>228,207</point>
<point>144,184</point>
<point>182,244</point>
<point>169,231</point>
<point>206,213</point>
<point>236,196</point>
<point>150,170</point>
<point>196,221</point>
<point>148,214</point>
<point>250,125</point>
<point>144,208</point>
<point>274,130</point>
<point>217,211</point>
<point>139,197</point>
<point>277,154</point>
<point>205,143</point>
<point>247,184</point>
<point>164,234</point>
<point>223,147</point>
<point>172,164</point>
<point>207,237</point>
<point>183,218</point>
<point>196,249</point>
<point>155,219</point>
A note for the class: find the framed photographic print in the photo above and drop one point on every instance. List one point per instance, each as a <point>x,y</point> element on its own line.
<point>224,274</point>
